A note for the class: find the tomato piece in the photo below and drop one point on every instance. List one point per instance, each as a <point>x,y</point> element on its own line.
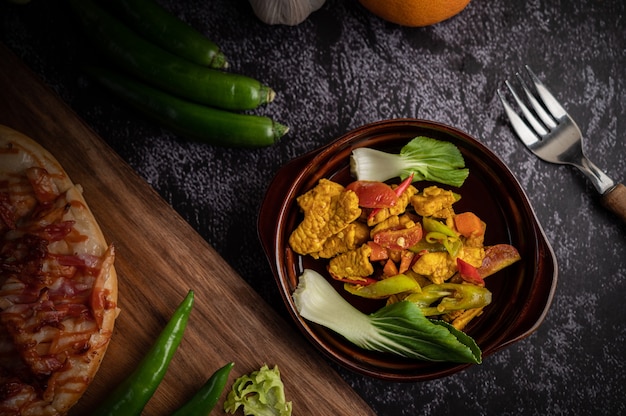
<point>378,252</point>
<point>373,194</point>
<point>399,239</point>
<point>398,191</point>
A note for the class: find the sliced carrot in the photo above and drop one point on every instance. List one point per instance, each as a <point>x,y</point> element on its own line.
<point>468,224</point>
<point>390,268</point>
<point>406,260</point>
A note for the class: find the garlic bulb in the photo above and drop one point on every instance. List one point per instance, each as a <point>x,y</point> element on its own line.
<point>285,12</point>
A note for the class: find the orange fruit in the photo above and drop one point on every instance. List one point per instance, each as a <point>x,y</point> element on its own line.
<point>415,12</point>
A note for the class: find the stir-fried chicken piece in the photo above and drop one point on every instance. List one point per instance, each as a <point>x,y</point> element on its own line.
<point>328,209</point>
<point>434,202</point>
<point>345,240</point>
<point>353,264</point>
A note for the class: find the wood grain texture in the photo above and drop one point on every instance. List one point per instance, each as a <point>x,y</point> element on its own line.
<point>615,201</point>
<point>159,258</point>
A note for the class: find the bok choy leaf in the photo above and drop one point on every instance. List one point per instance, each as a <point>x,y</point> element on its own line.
<point>400,328</point>
<point>428,159</point>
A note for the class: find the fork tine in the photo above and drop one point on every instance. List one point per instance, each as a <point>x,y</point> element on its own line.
<point>532,120</point>
<point>539,109</point>
<point>526,135</point>
<point>551,103</point>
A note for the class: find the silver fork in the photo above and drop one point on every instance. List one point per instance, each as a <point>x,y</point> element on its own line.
<point>551,134</point>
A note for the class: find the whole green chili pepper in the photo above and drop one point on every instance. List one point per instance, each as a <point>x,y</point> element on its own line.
<point>158,67</point>
<point>205,399</point>
<point>169,32</point>
<point>191,120</point>
<point>131,396</point>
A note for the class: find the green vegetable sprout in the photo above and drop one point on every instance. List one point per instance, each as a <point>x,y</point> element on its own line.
<point>261,393</point>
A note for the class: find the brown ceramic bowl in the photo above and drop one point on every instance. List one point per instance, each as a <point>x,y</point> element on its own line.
<point>522,293</point>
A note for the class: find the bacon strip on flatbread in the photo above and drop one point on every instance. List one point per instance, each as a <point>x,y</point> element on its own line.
<point>58,285</point>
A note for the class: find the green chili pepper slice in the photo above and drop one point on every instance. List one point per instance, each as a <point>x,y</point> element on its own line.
<point>434,237</point>
<point>384,288</point>
<point>132,395</point>
<point>431,225</point>
<point>453,245</point>
<point>205,399</point>
<point>438,232</point>
<point>438,299</point>
<point>423,245</point>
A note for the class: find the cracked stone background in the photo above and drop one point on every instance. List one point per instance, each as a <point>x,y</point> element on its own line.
<point>343,68</point>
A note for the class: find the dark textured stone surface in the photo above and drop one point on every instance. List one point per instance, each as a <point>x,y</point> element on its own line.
<point>342,68</point>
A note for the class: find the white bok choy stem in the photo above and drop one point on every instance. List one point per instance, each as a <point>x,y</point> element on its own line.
<point>400,328</point>
<point>374,165</point>
<point>428,159</point>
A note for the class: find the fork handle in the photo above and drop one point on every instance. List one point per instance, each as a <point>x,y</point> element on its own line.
<point>615,201</point>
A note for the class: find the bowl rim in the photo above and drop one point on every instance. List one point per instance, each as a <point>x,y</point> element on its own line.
<point>286,186</point>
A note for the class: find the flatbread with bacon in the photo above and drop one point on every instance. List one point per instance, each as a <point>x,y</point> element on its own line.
<point>58,286</point>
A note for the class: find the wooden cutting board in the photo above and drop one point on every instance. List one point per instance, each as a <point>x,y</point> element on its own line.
<point>159,258</point>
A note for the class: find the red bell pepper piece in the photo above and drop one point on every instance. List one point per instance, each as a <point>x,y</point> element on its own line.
<point>404,185</point>
<point>469,273</point>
